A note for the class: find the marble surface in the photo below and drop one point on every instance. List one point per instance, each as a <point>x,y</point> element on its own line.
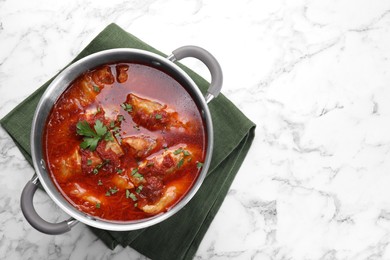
<point>313,75</point>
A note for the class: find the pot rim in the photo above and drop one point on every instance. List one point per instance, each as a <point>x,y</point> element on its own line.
<point>58,86</point>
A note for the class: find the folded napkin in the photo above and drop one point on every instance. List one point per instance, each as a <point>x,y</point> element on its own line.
<point>179,236</point>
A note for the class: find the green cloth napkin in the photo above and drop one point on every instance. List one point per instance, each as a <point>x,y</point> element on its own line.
<point>179,236</point>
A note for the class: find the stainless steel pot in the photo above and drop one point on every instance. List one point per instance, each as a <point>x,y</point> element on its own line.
<point>58,86</point>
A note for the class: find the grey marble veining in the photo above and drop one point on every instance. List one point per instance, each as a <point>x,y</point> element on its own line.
<point>313,75</point>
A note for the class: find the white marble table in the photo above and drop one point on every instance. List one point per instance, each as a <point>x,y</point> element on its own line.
<point>313,75</point>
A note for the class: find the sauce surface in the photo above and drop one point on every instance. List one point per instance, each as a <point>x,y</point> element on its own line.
<point>124,142</point>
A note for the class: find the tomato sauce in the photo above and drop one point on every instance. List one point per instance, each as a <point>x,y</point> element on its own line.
<point>124,142</point>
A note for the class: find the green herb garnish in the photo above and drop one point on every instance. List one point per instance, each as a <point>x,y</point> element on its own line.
<point>180,163</point>
<point>132,196</point>
<point>158,116</point>
<point>199,165</point>
<point>139,189</point>
<point>139,176</point>
<point>176,152</point>
<point>96,88</point>
<point>113,190</point>
<point>127,107</point>
<point>91,136</point>
<point>89,162</point>
<point>100,182</point>
<point>97,205</point>
<point>99,166</point>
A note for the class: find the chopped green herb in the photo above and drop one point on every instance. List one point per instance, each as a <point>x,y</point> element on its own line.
<point>127,107</point>
<point>97,205</point>
<point>120,118</point>
<point>176,152</point>
<point>186,153</point>
<point>96,88</point>
<point>132,196</point>
<point>119,171</point>
<point>138,176</point>
<point>199,165</point>
<point>135,204</point>
<point>108,194</point>
<point>89,162</point>
<point>116,129</point>
<point>113,190</point>
<point>100,182</point>
<point>180,163</point>
<point>99,166</point>
<point>158,116</point>
<point>112,124</point>
<point>139,189</point>
<point>134,171</point>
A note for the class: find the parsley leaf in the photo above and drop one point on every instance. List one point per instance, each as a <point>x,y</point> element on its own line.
<point>131,195</point>
<point>96,88</point>
<point>176,152</point>
<point>158,116</point>
<point>111,191</point>
<point>139,189</point>
<point>100,128</point>
<point>127,107</point>
<point>199,165</point>
<point>120,118</point>
<point>83,128</point>
<point>89,142</point>
<point>180,163</point>
<point>136,174</point>
<point>91,137</point>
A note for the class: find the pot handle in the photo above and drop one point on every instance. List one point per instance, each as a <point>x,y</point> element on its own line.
<point>29,212</point>
<point>209,60</point>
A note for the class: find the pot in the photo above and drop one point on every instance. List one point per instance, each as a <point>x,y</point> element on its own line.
<point>58,86</point>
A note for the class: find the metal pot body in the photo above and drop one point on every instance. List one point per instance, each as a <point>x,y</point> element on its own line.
<point>63,81</point>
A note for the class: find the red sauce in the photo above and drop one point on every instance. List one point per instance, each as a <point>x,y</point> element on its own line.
<point>124,142</point>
